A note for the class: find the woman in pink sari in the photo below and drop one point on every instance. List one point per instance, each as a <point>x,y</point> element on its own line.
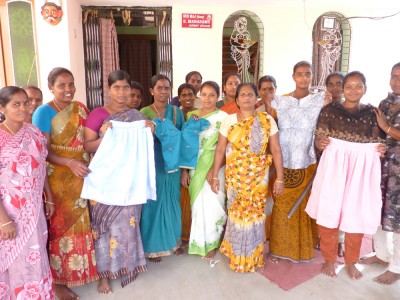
<point>24,265</point>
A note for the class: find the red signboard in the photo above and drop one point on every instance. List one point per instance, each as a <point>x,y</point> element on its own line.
<point>197,20</point>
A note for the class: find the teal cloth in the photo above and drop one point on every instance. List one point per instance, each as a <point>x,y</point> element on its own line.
<point>161,223</point>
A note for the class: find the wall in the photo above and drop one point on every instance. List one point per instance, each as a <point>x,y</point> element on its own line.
<point>288,28</point>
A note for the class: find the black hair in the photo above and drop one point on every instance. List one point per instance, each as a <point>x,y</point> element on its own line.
<point>190,74</point>
<point>301,64</point>
<point>338,74</point>
<point>250,84</point>
<point>266,78</point>
<point>231,75</point>
<point>155,78</point>
<point>51,79</point>
<point>396,66</point>
<point>137,86</point>
<point>6,93</point>
<point>213,85</point>
<point>116,75</point>
<point>355,73</point>
<point>32,87</point>
<point>186,86</point>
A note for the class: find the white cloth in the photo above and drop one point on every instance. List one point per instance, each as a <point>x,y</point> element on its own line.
<point>123,169</point>
<point>297,120</point>
<point>387,248</point>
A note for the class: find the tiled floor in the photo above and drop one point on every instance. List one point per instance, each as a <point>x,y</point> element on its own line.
<point>190,277</point>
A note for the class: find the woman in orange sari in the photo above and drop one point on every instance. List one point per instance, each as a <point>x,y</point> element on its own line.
<point>71,248</point>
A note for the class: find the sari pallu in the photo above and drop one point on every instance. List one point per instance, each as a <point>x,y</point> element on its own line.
<point>116,229</point>
<point>24,265</point>
<point>71,248</point>
<point>246,185</point>
<point>208,208</point>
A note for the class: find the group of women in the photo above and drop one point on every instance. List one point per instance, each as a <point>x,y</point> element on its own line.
<point>245,151</point>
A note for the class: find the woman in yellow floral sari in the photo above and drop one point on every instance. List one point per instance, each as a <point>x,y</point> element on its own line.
<point>245,136</point>
<point>71,247</point>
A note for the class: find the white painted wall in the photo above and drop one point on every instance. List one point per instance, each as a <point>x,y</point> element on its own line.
<point>375,45</point>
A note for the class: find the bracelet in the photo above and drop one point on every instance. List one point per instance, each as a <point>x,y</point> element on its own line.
<point>278,181</point>
<point>390,127</point>
<point>215,178</point>
<point>2,225</point>
<point>45,202</point>
<point>70,161</point>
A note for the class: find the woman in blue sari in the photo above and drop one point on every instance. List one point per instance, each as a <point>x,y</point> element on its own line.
<point>161,223</point>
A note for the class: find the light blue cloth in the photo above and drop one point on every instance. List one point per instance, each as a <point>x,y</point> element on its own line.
<point>190,142</point>
<point>42,117</point>
<point>161,223</point>
<point>170,139</point>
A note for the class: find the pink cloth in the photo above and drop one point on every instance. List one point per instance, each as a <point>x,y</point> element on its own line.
<point>96,118</point>
<point>346,192</point>
<point>24,265</point>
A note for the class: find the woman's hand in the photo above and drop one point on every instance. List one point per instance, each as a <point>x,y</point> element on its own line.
<point>327,98</point>
<point>321,142</point>
<point>381,120</point>
<point>8,232</point>
<point>150,123</point>
<point>278,187</point>
<point>381,148</point>
<point>78,168</point>
<point>194,116</point>
<point>185,178</point>
<point>104,128</point>
<point>49,209</point>
<point>215,185</point>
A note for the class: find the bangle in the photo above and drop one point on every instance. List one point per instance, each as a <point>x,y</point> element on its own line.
<point>45,202</point>
<point>70,161</point>
<point>390,127</point>
<point>2,225</point>
<point>215,178</point>
<point>278,181</point>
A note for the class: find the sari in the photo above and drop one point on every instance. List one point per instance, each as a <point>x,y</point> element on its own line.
<point>118,242</point>
<point>24,265</point>
<point>71,247</point>
<point>161,222</point>
<point>208,208</point>
<point>230,108</point>
<point>247,165</point>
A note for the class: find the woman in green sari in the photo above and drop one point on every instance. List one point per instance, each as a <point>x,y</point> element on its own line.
<point>208,208</point>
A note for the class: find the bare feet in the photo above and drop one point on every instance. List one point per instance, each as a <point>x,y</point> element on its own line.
<point>353,272</point>
<point>387,278</point>
<point>340,250</point>
<point>211,254</point>
<point>178,252</point>
<point>64,293</point>
<point>185,244</point>
<point>273,259</point>
<point>104,287</point>
<point>372,260</point>
<point>155,260</point>
<point>317,246</point>
<point>328,269</point>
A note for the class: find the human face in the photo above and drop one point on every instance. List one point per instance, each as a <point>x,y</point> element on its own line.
<point>161,91</point>
<point>208,97</point>
<point>353,89</point>
<point>231,86</point>
<point>246,99</point>
<point>335,87</point>
<point>267,91</point>
<point>187,98</point>
<point>63,88</point>
<point>35,100</point>
<point>195,80</point>
<point>120,92</point>
<point>302,77</point>
<point>135,98</point>
<point>16,110</point>
<point>395,81</point>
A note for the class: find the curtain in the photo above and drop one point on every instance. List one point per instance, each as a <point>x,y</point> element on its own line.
<point>109,52</point>
<point>165,46</point>
<point>135,58</point>
<point>93,73</point>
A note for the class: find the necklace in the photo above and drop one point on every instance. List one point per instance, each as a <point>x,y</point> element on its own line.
<point>8,128</point>
<point>54,101</point>
<point>158,113</point>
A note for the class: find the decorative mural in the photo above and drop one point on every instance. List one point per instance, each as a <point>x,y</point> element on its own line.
<point>52,12</point>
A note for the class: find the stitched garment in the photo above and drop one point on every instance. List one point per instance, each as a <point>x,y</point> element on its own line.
<point>189,150</point>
